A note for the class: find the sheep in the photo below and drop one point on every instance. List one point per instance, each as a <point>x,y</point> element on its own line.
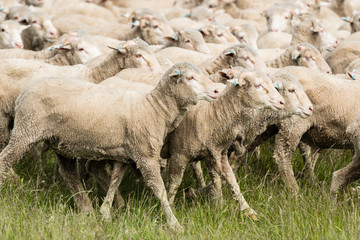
<point>188,39</point>
<point>309,31</point>
<point>72,48</point>
<point>180,23</point>
<point>40,32</point>
<point>326,127</point>
<point>137,141</point>
<point>343,55</point>
<point>350,173</point>
<point>303,54</point>
<point>297,103</point>
<point>19,13</point>
<point>246,34</point>
<point>36,3</point>
<point>354,66</point>
<point>230,8</point>
<point>209,129</point>
<point>134,53</point>
<point>237,55</point>
<point>10,34</point>
<point>217,34</point>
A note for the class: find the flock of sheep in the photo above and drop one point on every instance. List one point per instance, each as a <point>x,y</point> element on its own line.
<point>110,84</point>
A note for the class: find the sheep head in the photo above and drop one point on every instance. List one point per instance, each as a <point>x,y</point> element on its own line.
<point>308,56</point>
<point>187,83</point>
<point>188,39</point>
<point>297,102</point>
<point>153,29</point>
<point>41,23</point>
<point>217,34</point>
<point>10,34</point>
<point>254,89</point>
<point>136,53</point>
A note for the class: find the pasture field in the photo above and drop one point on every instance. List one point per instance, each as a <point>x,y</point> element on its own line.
<point>37,208</point>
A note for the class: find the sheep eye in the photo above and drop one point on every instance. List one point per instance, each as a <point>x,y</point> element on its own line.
<point>3,30</point>
<point>267,18</point>
<point>16,18</point>
<point>34,22</point>
<point>156,26</point>
<point>286,17</point>
<point>258,86</point>
<point>220,34</point>
<point>187,40</point>
<point>190,78</point>
<point>138,55</point>
<point>81,49</point>
<point>291,90</point>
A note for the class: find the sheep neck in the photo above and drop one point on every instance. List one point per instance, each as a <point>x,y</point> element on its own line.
<point>169,112</point>
<point>283,60</point>
<point>109,67</point>
<point>229,113</point>
<point>61,59</point>
<point>44,54</point>
<point>216,65</point>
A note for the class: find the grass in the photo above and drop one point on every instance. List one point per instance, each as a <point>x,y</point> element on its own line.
<point>37,208</point>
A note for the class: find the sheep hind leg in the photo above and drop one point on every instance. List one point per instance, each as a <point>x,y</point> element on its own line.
<point>176,167</point>
<point>150,170</point>
<point>198,174</point>
<point>117,175</point>
<point>310,158</point>
<point>230,178</point>
<point>69,173</point>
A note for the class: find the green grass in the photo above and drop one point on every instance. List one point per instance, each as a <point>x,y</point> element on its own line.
<point>37,208</point>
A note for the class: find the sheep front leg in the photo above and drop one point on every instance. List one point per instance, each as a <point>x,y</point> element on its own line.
<point>4,130</point>
<point>177,164</point>
<point>117,175</point>
<point>286,142</point>
<point>150,170</point>
<point>69,173</point>
<point>230,178</point>
<point>310,158</point>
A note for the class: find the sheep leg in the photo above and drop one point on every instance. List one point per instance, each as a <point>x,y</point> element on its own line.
<point>69,173</point>
<point>286,142</point>
<point>198,174</point>
<point>150,170</point>
<point>4,131</point>
<point>117,175</point>
<point>310,158</point>
<point>177,164</point>
<point>97,170</point>
<point>230,178</point>
<point>18,146</point>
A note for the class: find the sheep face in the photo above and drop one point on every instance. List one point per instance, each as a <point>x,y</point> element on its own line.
<point>137,54</point>
<point>187,83</point>
<point>308,56</point>
<point>354,21</point>
<point>278,19</point>
<point>255,89</point>
<point>297,102</point>
<point>217,34</point>
<point>36,3</point>
<point>243,56</point>
<point>189,39</point>
<point>10,35</point>
<point>84,48</point>
<point>154,30</point>
<point>42,24</point>
<point>246,34</point>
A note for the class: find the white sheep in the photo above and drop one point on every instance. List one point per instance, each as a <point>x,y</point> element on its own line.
<point>10,35</point>
<point>138,124</point>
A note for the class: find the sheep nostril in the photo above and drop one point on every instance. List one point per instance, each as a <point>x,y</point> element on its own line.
<point>311,108</point>
<point>282,102</point>
<point>216,91</point>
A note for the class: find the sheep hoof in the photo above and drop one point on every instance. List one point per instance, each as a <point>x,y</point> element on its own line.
<point>252,214</point>
<point>176,227</point>
<point>105,213</point>
<point>254,217</point>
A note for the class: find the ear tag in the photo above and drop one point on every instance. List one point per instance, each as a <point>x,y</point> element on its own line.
<point>278,86</point>
<point>347,18</point>
<point>353,76</point>
<point>118,48</point>
<point>235,83</point>
<point>60,46</point>
<point>187,15</point>
<point>52,48</point>
<point>231,51</point>
<point>2,9</point>
<point>175,37</point>
<point>177,72</point>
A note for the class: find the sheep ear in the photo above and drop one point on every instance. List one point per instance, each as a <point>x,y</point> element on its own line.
<point>243,76</point>
<point>119,49</point>
<point>295,55</point>
<point>316,27</point>
<point>223,74</point>
<point>277,86</point>
<point>204,32</point>
<point>263,13</point>
<point>230,53</point>
<point>348,19</point>
<point>175,73</point>
<point>171,39</point>
<point>351,75</point>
